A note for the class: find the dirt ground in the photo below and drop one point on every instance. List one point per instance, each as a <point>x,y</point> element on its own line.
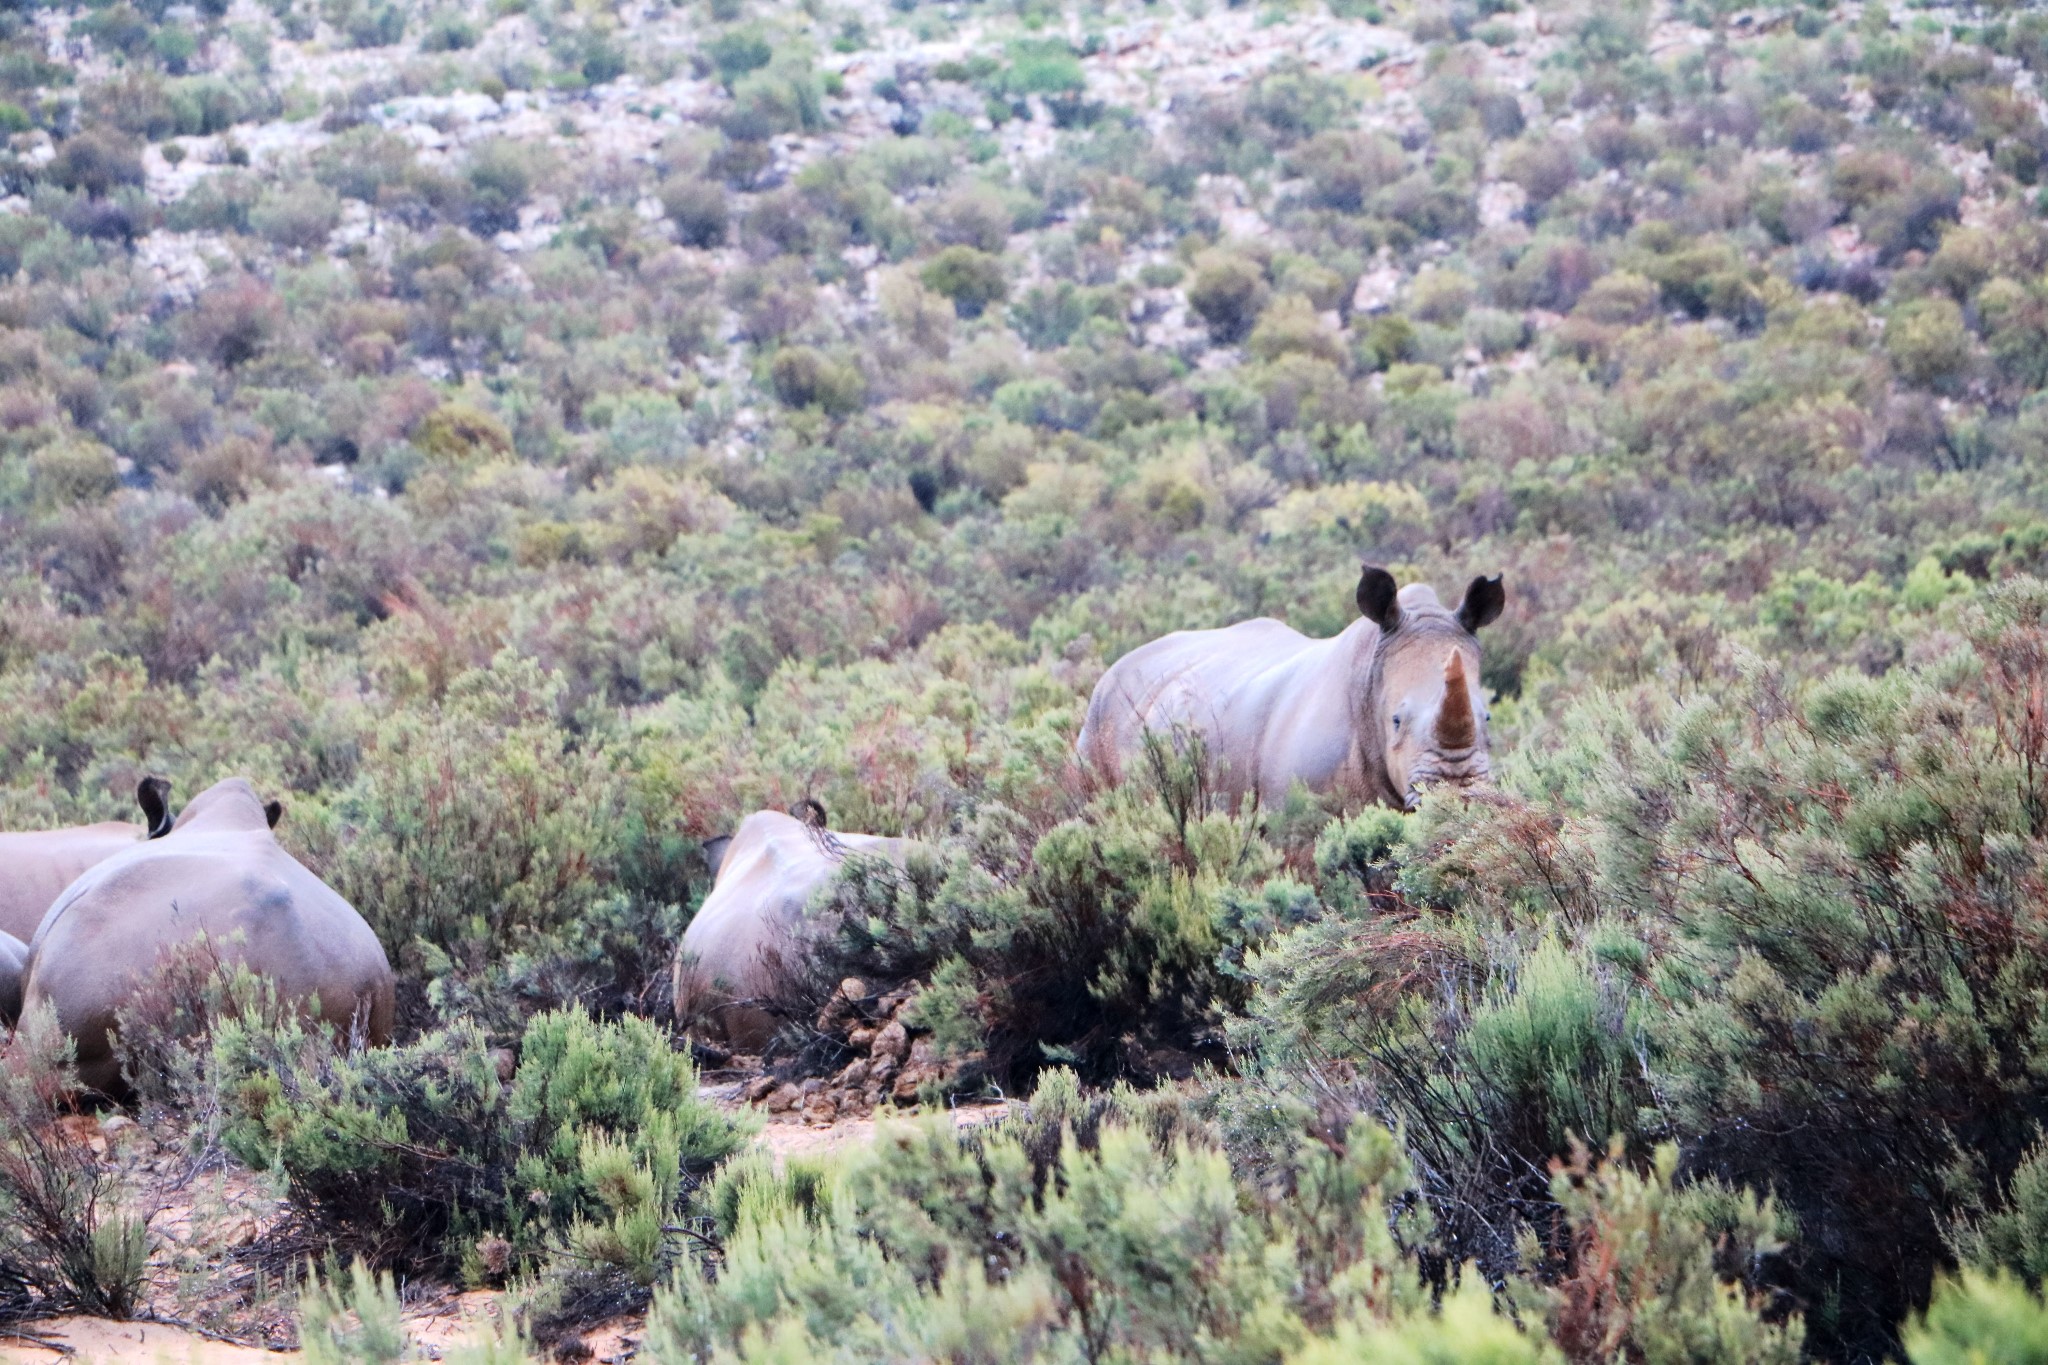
<point>788,1136</point>
<point>228,1209</point>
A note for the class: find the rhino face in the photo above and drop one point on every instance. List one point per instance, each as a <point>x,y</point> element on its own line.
<point>1427,705</point>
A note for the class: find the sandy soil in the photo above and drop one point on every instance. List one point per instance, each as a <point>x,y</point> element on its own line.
<point>96,1339</point>
<point>787,1136</point>
<point>434,1328</point>
<point>223,1210</point>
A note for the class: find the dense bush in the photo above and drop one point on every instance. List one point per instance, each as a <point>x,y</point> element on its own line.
<point>1116,1230</point>
<point>425,1154</point>
<point>1759,921</point>
<point>526,475</point>
<point>74,1231</point>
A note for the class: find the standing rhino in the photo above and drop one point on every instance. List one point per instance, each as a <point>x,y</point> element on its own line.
<point>36,865</point>
<point>728,968</point>
<point>1374,714</point>
<point>13,962</point>
<point>220,873</point>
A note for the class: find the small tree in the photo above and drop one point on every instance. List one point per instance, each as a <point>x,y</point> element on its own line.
<point>1227,292</point>
<point>973,279</point>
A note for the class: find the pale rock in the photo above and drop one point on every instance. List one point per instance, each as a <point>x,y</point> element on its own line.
<point>892,1042</point>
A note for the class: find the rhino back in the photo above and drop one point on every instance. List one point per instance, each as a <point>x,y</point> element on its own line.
<point>770,871</point>
<point>253,901</point>
<point>1272,705</point>
<point>36,866</point>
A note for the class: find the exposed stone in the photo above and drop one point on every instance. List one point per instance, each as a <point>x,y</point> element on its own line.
<point>759,1089</point>
<point>906,1087</point>
<point>892,1042</point>
<point>784,1098</point>
<point>862,1038</point>
<point>853,988</point>
<point>811,1086</point>
<point>820,1109</point>
<point>505,1062</point>
<point>856,1073</point>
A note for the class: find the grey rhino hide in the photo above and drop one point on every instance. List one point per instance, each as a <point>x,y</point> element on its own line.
<point>13,961</point>
<point>219,873</point>
<point>36,865</point>
<point>725,972</point>
<point>1374,714</point>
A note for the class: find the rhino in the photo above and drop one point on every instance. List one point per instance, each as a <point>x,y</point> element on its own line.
<point>13,958</point>
<point>728,968</point>
<point>1373,715</point>
<point>220,873</point>
<point>36,865</point>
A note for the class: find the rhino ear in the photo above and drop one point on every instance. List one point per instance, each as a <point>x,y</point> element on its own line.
<point>1379,597</point>
<point>714,852</point>
<point>811,811</point>
<point>153,795</point>
<point>273,811</point>
<point>1484,598</point>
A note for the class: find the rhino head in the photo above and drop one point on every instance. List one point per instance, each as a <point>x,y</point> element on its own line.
<point>1422,696</point>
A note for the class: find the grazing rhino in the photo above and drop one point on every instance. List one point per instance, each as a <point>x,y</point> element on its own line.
<point>728,968</point>
<point>13,964</point>
<point>219,872</point>
<point>1374,714</point>
<point>36,865</point>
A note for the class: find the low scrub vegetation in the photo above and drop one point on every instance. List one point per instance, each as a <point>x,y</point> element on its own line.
<point>528,438</point>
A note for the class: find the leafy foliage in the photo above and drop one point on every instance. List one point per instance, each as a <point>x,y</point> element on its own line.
<point>527,474</point>
<point>1109,1230</point>
<point>420,1154</point>
<point>74,1233</point>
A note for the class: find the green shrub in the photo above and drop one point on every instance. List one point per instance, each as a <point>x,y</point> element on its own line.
<point>1928,342</point>
<point>971,278</point>
<point>1979,1317</point>
<point>698,209</point>
<point>458,430</point>
<point>738,52</point>
<point>94,163</point>
<point>1041,67</point>
<point>803,377</point>
<point>417,1154</point>
<point>74,1233</point>
<point>1104,953</point>
<point>487,851</point>
<point>1227,292</point>
<point>2012,1238</point>
<point>449,31</point>
<point>351,1319</point>
<point>299,218</point>
<point>500,175</point>
<point>1116,1229</point>
<point>1600,988</point>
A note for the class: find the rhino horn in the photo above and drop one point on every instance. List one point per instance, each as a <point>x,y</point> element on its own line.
<point>1455,728</point>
